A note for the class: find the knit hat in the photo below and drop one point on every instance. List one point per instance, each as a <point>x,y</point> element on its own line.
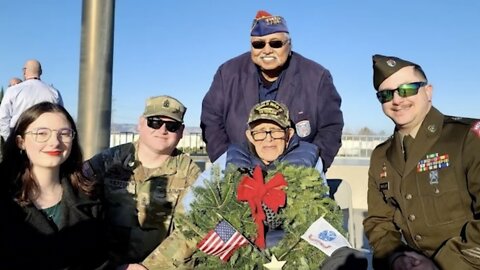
<point>270,110</point>
<point>266,24</point>
<point>385,66</point>
<point>165,106</point>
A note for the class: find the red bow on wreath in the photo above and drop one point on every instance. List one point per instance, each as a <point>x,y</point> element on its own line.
<point>256,192</point>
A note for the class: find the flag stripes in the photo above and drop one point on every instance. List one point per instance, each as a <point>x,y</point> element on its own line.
<point>222,241</point>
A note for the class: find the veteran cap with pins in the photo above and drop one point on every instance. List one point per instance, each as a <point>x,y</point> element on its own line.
<point>165,106</point>
<point>266,24</point>
<point>270,110</point>
<point>385,66</point>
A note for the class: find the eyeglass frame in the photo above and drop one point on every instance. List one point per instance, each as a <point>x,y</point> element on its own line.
<point>274,44</point>
<point>60,136</point>
<point>268,132</point>
<point>170,126</point>
<point>402,90</point>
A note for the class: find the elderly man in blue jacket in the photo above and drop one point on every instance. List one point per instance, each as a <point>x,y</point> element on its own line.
<point>272,71</point>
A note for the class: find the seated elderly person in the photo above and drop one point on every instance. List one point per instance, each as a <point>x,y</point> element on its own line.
<point>270,139</point>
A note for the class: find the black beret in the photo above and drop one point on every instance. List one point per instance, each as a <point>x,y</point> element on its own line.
<point>385,66</point>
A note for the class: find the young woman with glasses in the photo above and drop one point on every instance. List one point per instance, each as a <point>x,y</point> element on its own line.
<point>50,214</point>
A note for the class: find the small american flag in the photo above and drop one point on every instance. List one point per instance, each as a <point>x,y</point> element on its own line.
<point>222,241</point>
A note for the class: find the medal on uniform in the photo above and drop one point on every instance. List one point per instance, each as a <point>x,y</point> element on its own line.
<point>433,177</point>
<point>434,180</point>
<point>432,162</point>
<point>383,174</point>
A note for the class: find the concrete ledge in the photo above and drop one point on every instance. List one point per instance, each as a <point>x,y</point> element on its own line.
<point>357,177</point>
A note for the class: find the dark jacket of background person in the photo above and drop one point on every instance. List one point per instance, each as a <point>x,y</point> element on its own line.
<point>306,89</point>
<point>29,240</point>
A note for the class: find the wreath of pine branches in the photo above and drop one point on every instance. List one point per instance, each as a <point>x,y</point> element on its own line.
<point>307,200</point>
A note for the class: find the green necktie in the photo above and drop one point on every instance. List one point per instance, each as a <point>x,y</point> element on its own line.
<point>407,146</point>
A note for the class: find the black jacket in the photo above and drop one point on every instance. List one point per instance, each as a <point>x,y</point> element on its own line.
<point>29,240</point>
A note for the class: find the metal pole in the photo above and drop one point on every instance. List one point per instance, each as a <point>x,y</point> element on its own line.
<point>95,85</point>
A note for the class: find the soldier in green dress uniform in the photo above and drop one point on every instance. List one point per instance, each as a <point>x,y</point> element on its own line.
<point>424,181</point>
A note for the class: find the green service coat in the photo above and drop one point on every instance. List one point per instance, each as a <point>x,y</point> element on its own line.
<point>433,199</point>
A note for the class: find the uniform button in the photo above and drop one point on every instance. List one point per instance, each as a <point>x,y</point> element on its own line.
<point>418,237</point>
<point>411,217</point>
<point>408,196</point>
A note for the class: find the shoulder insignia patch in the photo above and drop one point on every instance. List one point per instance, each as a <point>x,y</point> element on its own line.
<point>476,128</point>
<point>303,128</point>
<point>457,119</point>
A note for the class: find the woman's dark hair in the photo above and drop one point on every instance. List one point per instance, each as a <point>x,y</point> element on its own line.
<point>16,167</point>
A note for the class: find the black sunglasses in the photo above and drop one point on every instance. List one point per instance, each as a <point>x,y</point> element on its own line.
<point>403,90</point>
<point>276,44</point>
<point>157,123</point>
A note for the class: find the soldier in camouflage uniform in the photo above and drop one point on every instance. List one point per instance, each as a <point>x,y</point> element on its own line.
<point>423,186</point>
<point>144,182</point>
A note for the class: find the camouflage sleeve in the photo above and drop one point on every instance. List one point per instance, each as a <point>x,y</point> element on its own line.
<point>193,172</point>
<point>175,251</point>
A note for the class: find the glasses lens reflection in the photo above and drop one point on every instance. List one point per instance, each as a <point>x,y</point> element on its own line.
<point>156,123</point>
<point>260,44</point>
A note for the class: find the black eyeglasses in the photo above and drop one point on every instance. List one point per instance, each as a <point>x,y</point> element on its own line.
<point>403,90</point>
<point>276,44</point>
<point>262,134</point>
<point>157,123</point>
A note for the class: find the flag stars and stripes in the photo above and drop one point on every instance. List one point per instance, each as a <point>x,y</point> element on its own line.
<point>222,241</point>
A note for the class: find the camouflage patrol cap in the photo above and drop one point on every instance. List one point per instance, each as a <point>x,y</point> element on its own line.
<point>385,66</point>
<point>165,106</point>
<point>270,110</point>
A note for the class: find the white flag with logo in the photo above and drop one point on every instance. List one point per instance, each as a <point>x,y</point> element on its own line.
<point>325,237</point>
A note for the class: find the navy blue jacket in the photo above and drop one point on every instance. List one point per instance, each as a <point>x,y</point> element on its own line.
<point>306,88</point>
<point>297,153</point>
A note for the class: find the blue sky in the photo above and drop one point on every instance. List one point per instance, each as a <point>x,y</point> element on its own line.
<point>174,47</point>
